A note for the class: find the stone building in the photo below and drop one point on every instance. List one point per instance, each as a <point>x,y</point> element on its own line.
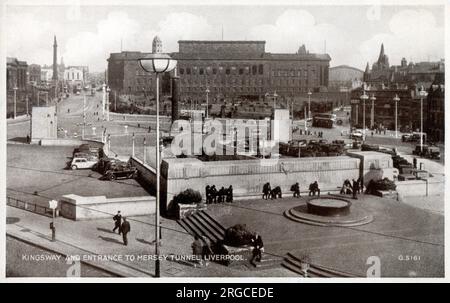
<point>403,75</point>
<point>16,77</point>
<point>229,69</point>
<point>244,70</point>
<point>34,74</point>
<point>408,108</point>
<point>436,109</point>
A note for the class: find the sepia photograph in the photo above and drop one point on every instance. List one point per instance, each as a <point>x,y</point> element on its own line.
<point>225,140</point>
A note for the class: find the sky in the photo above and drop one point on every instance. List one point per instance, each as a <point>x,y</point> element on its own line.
<point>351,35</point>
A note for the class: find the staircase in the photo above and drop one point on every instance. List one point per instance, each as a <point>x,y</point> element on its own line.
<point>203,225</point>
<point>293,263</point>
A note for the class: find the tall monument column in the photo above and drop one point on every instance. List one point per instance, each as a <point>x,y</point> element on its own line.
<point>175,96</point>
<point>55,62</point>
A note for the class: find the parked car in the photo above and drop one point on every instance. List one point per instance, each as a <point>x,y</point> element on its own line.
<point>120,170</point>
<point>82,163</point>
<point>430,152</point>
<point>413,137</point>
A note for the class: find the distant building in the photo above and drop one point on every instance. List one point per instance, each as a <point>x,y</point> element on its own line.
<point>76,76</point>
<point>16,74</point>
<point>403,75</point>
<point>34,74</point>
<point>345,78</point>
<point>436,109</point>
<point>229,69</point>
<point>244,70</point>
<point>46,74</point>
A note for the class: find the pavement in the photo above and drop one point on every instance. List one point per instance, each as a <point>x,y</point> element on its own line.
<point>398,230</point>
<point>88,239</point>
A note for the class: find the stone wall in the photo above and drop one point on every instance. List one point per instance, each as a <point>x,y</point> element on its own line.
<point>248,176</point>
<point>86,208</point>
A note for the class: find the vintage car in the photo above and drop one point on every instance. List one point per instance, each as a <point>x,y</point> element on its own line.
<point>82,163</point>
<point>430,152</point>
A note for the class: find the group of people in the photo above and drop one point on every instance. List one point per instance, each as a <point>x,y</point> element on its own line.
<point>314,189</point>
<point>272,193</point>
<point>353,187</point>
<point>218,196</point>
<point>122,225</point>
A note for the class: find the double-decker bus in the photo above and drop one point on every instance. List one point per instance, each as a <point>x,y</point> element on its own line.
<point>324,120</point>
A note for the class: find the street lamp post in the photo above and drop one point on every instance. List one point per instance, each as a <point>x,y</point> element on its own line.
<point>26,102</point>
<point>53,204</point>
<point>107,103</point>
<point>15,101</point>
<point>207,92</point>
<point>157,63</point>
<point>372,111</point>
<point>422,94</point>
<point>364,97</point>
<point>396,99</point>
<point>84,116</point>
<point>309,103</point>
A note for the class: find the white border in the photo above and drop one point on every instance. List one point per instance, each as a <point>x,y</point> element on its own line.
<point>5,3</point>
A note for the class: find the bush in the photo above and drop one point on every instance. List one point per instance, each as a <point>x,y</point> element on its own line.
<point>384,184</point>
<point>238,235</point>
<point>189,196</point>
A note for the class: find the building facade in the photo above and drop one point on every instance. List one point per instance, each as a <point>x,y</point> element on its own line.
<point>244,70</point>
<point>383,109</point>
<point>229,69</point>
<point>16,74</point>
<point>403,75</point>
<point>34,73</point>
<point>436,109</point>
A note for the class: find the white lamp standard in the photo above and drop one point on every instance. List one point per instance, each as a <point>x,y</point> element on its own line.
<point>363,98</point>
<point>157,63</point>
<point>309,103</point>
<point>53,204</point>
<point>422,95</point>
<point>107,103</point>
<point>372,111</point>
<point>396,99</point>
<point>207,91</point>
<point>15,100</point>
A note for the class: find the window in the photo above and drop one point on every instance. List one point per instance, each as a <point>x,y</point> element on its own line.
<point>188,71</point>
<point>227,71</point>
<point>254,69</point>
<point>214,71</point>
<point>201,72</point>
<point>241,71</point>
<point>181,71</point>
<point>261,69</point>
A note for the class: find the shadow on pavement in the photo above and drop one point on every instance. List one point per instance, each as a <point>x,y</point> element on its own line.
<point>105,230</point>
<point>107,239</point>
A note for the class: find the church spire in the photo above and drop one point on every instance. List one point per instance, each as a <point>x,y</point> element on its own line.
<point>381,56</point>
<point>367,68</point>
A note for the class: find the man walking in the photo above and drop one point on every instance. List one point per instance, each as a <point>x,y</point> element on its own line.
<point>125,230</point>
<point>117,222</point>
<point>258,249</point>
<point>355,188</point>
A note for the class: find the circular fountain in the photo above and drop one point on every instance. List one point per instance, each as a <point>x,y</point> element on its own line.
<point>329,211</point>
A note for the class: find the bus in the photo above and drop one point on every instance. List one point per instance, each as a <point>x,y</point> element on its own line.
<point>324,120</point>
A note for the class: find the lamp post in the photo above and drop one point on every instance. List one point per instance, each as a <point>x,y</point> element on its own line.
<point>422,95</point>
<point>15,100</point>
<point>157,63</point>
<point>364,97</point>
<point>309,103</point>
<point>372,111</point>
<point>26,101</point>
<point>53,204</point>
<point>207,91</point>
<point>107,103</point>
<point>84,116</point>
<point>274,97</point>
<point>396,99</point>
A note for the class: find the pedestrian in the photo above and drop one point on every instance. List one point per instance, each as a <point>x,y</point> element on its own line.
<point>197,250</point>
<point>258,249</point>
<point>296,189</point>
<point>206,250</point>
<point>230,194</point>
<point>117,222</point>
<point>355,188</point>
<point>360,185</point>
<point>28,138</point>
<point>316,188</point>
<point>266,191</point>
<point>208,194</point>
<point>222,193</point>
<point>149,129</point>
<point>125,230</point>
<point>415,162</point>
<point>213,193</point>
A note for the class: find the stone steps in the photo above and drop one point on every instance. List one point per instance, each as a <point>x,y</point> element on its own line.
<point>203,225</point>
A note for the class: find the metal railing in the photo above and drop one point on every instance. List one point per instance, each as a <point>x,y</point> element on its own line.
<point>32,207</point>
